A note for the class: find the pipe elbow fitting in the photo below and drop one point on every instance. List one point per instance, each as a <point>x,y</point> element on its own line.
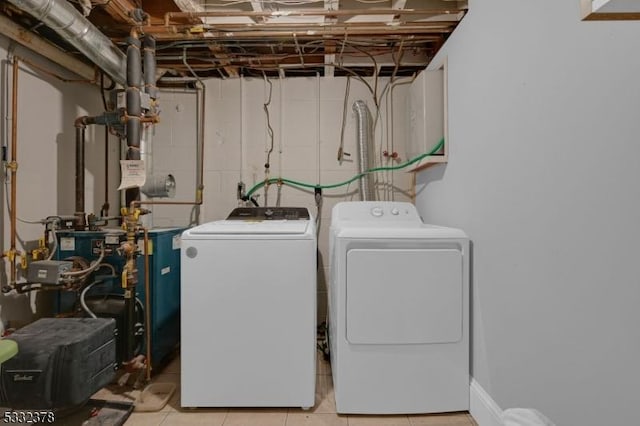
<point>83,121</point>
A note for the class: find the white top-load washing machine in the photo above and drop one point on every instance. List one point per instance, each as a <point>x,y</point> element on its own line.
<point>248,310</point>
<point>399,311</point>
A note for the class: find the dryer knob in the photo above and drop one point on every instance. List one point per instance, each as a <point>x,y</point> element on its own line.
<point>377,211</point>
<point>395,211</point>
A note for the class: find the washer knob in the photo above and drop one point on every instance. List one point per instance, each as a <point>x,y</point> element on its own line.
<point>395,211</point>
<point>377,211</point>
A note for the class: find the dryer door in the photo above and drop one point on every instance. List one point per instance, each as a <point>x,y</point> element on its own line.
<point>404,296</point>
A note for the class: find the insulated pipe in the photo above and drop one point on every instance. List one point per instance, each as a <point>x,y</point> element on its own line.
<point>364,139</point>
<point>134,109</point>
<point>150,67</point>
<point>65,20</point>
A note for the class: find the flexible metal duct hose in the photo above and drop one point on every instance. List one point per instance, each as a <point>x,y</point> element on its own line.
<point>364,136</point>
<point>64,19</point>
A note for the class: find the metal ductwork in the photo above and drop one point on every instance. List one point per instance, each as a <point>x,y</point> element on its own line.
<point>63,18</point>
<point>364,136</point>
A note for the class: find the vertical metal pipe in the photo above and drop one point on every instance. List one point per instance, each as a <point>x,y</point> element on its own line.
<point>147,303</point>
<point>105,206</point>
<point>80,151</point>
<point>14,166</point>
<point>81,125</point>
<point>365,148</point>
<point>200,149</point>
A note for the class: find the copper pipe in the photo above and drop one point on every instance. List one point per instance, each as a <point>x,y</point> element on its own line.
<point>332,13</point>
<point>147,302</point>
<point>13,165</point>
<point>138,203</point>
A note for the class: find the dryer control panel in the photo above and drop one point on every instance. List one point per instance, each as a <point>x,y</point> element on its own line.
<point>387,211</point>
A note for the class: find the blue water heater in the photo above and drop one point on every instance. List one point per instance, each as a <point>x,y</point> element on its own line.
<point>164,279</point>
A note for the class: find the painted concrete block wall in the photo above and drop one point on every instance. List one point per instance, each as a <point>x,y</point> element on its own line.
<point>306,117</point>
<point>47,109</point>
<point>543,175</point>
<point>173,147</point>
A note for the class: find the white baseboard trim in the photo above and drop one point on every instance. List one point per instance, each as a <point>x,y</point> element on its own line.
<point>482,407</point>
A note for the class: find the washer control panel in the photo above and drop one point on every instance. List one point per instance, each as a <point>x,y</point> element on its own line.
<point>269,213</point>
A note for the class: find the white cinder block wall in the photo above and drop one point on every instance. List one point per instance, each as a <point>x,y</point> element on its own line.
<point>543,175</point>
<point>306,117</point>
<point>47,109</point>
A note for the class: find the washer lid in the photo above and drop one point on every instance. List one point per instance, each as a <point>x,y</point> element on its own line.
<point>242,227</point>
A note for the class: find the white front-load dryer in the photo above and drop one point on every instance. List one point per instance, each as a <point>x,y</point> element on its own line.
<point>398,311</point>
<point>248,310</point>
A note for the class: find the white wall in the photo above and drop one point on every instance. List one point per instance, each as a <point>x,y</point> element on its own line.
<point>306,116</point>
<point>47,109</point>
<point>543,175</point>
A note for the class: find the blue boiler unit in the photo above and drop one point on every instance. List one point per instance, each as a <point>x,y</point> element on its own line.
<point>105,298</point>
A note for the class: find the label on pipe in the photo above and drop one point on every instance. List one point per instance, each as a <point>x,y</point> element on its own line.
<point>133,174</point>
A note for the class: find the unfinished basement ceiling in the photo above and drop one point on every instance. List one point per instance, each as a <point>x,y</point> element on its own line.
<point>283,38</point>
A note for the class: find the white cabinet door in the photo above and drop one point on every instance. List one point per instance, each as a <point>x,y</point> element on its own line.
<point>425,125</point>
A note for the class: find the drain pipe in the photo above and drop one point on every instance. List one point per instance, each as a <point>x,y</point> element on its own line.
<point>364,139</point>
<point>64,19</point>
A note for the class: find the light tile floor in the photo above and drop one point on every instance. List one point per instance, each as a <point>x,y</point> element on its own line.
<point>322,414</point>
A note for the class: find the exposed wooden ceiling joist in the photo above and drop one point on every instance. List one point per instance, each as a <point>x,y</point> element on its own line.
<point>220,38</point>
<point>120,11</point>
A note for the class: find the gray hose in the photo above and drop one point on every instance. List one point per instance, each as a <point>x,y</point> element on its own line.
<point>82,301</point>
